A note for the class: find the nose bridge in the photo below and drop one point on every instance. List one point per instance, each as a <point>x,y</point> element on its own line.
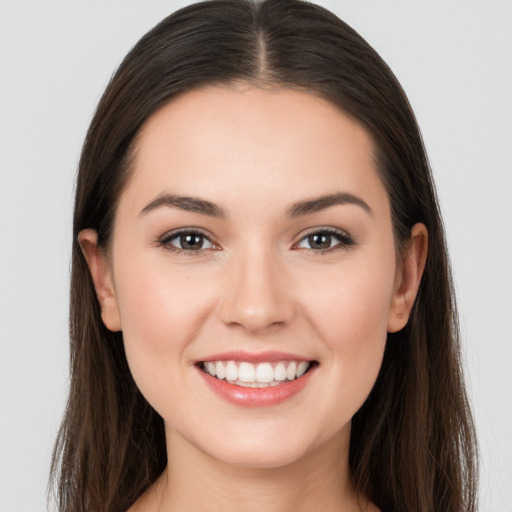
<point>256,294</point>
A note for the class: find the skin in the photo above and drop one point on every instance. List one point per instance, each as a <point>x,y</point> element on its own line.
<point>256,285</point>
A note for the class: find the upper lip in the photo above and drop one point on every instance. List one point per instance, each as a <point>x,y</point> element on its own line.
<point>254,357</point>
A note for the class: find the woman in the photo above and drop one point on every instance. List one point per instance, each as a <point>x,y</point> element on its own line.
<point>254,207</point>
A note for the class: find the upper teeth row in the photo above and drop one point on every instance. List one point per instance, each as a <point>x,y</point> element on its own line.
<point>260,373</point>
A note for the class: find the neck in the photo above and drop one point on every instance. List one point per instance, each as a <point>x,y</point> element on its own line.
<point>194,480</point>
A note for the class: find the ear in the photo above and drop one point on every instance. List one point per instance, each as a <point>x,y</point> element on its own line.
<point>408,278</point>
<point>101,274</point>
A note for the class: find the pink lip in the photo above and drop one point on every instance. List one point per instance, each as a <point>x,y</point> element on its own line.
<point>256,397</point>
<point>254,357</point>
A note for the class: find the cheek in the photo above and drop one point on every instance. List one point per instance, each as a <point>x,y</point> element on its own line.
<point>161,313</point>
<point>355,328</point>
<point>351,307</point>
<point>351,317</point>
<point>159,305</point>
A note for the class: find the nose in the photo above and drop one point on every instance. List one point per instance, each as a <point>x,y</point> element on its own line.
<point>257,293</point>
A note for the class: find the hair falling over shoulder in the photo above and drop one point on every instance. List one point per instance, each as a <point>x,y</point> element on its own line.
<point>413,444</point>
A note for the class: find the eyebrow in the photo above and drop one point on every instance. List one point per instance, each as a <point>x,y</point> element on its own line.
<point>323,202</point>
<point>306,207</point>
<point>189,204</point>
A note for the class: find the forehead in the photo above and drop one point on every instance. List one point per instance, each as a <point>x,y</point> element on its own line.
<point>277,144</point>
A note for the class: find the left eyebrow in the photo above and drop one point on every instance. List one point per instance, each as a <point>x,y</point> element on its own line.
<point>189,204</point>
<point>320,203</point>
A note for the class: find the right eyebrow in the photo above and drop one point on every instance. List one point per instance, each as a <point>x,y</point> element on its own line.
<point>189,204</point>
<point>318,204</point>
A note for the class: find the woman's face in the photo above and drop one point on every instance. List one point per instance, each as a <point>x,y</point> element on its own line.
<point>254,239</point>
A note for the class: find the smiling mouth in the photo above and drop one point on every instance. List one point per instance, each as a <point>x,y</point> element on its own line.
<point>260,375</point>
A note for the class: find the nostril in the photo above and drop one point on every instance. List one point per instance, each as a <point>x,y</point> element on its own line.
<point>253,318</point>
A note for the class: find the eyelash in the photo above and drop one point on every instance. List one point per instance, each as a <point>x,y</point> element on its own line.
<point>344,241</point>
<point>166,240</point>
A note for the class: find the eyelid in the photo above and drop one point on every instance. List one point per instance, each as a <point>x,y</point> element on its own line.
<point>165,239</point>
<point>345,239</point>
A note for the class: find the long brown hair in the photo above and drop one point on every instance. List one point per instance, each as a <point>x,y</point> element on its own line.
<point>412,442</point>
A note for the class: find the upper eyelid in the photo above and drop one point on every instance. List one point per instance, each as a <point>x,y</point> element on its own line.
<point>179,231</point>
<point>346,239</point>
<point>165,240</point>
<point>323,229</point>
<point>303,234</point>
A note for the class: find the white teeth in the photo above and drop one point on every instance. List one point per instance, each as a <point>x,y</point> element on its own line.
<point>301,368</point>
<point>210,368</point>
<point>261,375</point>
<point>220,370</point>
<point>291,371</point>
<point>264,373</point>
<point>280,372</point>
<point>246,372</point>
<point>231,371</point>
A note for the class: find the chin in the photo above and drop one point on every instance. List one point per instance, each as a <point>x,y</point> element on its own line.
<point>271,457</point>
<point>272,448</point>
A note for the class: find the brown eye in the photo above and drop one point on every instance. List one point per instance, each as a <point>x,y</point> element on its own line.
<point>191,241</point>
<point>186,241</point>
<point>320,241</point>
<point>326,240</point>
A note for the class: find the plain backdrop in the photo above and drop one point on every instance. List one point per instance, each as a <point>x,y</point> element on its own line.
<point>454,59</point>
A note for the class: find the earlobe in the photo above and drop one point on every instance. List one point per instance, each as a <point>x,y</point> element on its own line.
<point>101,274</point>
<point>409,278</point>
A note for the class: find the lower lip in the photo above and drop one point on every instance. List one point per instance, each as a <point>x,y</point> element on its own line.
<point>257,397</point>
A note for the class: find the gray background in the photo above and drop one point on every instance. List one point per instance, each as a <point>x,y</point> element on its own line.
<point>454,59</point>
